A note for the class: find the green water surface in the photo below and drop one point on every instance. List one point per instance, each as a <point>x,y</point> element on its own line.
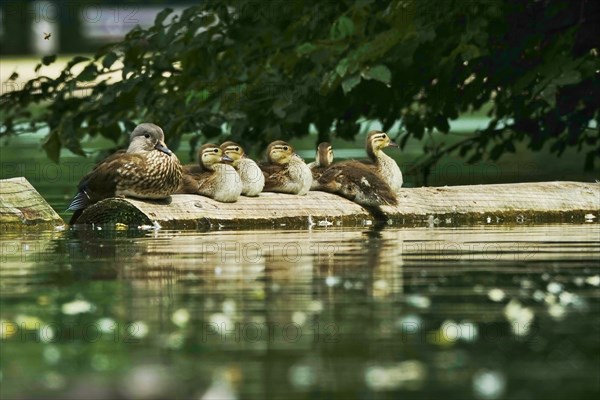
<point>494,312</point>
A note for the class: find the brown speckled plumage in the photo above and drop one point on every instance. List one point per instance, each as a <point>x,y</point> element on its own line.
<point>323,159</point>
<point>147,170</point>
<point>350,179</point>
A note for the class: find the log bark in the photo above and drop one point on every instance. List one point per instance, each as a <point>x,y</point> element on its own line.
<point>444,206</point>
<point>22,206</point>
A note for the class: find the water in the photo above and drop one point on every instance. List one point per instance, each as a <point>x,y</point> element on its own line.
<point>506,312</point>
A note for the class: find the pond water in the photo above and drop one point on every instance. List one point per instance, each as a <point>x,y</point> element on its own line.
<point>476,312</point>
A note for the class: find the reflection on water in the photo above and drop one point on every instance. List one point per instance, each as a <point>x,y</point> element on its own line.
<point>488,313</point>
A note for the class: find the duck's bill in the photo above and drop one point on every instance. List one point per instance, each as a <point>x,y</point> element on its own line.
<point>298,157</point>
<point>163,147</point>
<point>392,144</point>
<point>226,158</point>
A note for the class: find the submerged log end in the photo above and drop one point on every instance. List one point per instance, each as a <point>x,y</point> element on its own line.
<point>21,206</point>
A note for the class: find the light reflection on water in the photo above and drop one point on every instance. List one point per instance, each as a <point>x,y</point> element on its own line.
<point>479,312</point>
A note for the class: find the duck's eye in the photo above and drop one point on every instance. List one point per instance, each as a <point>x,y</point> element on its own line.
<point>286,148</point>
<point>237,149</point>
<point>147,136</point>
<point>215,151</point>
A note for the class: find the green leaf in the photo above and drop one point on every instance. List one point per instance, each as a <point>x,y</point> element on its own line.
<point>52,146</point>
<point>111,131</point>
<point>47,60</point>
<point>379,73</point>
<point>441,123</point>
<point>342,67</point>
<point>89,73</point>
<point>109,59</point>
<point>305,48</point>
<point>76,60</point>
<point>160,17</point>
<point>342,28</point>
<point>349,83</point>
<point>568,78</point>
<point>68,138</point>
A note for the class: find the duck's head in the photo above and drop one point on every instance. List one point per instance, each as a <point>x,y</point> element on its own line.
<point>210,154</point>
<point>233,150</point>
<point>147,137</point>
<point>324,156</point>
<point>377,140</point>
<point>280,152</point>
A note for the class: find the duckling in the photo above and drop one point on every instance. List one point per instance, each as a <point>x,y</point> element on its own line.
<point>380,162</point>
<point>323,160</point>
<point>146,170</point>
<point>250,173</point>
<point>285,171</point>
<point>353,180</point>
<point>211,178</point>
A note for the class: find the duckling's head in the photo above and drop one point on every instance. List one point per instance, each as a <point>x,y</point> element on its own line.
<point>377,140</point>
<point>324,156</point>
<point>209,155</point>
<point>147,137</point>
<point>280,152</point>
<point>232,150</point>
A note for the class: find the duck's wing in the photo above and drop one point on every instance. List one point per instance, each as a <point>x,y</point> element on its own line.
<point>357,182</point>
<point>188,185</point>
<point>317,171</point>
<point>101,181</point>
<point>274,175</point>
<point>194,177</point>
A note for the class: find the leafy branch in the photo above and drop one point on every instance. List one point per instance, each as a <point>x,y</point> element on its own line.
<point>265,70</point>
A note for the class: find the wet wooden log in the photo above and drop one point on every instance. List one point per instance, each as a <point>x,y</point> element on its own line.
<point>269,210</point>
<point>444,206</point>
<point>531,202</point>
<point>22,206</point>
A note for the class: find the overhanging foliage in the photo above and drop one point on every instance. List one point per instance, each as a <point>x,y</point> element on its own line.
<point>266,70</point>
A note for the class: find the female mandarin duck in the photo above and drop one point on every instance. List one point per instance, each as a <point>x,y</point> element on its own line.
<point>351,179</point>
<point>212,178</point>
<point>380,162</point>
<point>146,170</point>
<point>250,173</point>
<point>285,171</point>
<point>323,159</point>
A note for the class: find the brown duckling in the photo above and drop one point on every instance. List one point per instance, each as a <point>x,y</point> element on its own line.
<point>146,170</point>
<point>353,180</point>
<point>285,171</point>
<point>250,173</point>
<point>323,160</point>
<point>212,178</point>
<point>383,164</point>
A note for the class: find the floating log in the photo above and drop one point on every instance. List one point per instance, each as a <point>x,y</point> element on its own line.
<point>269,210</point>
<point>22,206</point>
<point>531,202</point>
<point>443,206</point>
